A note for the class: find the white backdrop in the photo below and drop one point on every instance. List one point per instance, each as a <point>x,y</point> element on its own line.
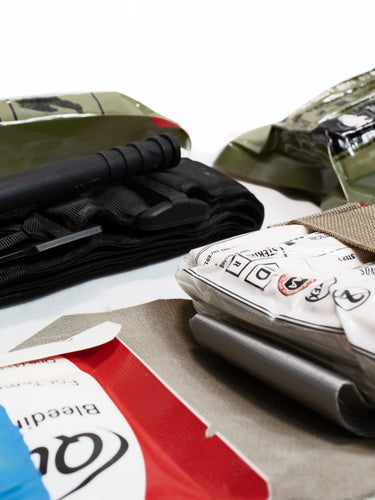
<point>216,67</point>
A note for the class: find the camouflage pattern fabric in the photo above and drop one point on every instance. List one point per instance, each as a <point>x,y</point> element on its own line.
<point>325,148</point>
<point>39,130</point>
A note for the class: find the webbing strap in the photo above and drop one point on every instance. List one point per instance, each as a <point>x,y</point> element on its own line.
<point>352,224</point>
<point>188,206</point>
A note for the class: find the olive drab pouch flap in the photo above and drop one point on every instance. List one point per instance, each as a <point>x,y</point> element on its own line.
<point>41,129</point>
<point>326,147</point>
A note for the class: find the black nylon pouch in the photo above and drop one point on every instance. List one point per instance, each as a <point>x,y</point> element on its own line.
<point>120,226</point>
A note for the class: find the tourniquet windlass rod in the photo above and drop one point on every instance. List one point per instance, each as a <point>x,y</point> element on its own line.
<point>58,180</point>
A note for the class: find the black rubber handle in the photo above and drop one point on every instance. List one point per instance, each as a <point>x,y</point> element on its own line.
<point>56,181</point>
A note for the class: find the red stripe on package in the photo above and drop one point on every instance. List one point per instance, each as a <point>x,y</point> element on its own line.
<point>162,122</point>
<point>181,462</point>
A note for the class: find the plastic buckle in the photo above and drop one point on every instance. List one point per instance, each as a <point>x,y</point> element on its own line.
<point>175,212</point>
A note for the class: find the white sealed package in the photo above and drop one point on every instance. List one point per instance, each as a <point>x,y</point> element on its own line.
<point>304,289</point>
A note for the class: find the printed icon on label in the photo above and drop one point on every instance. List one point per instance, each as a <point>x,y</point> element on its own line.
<point>261,274</point>
<point>321,291</point>
<point>351,298</point>
<point>290,285</point>
<point>237,264</point>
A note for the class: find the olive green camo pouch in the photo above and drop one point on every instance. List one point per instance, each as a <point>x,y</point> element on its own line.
<point>43,129</point>
<point>326,147</point>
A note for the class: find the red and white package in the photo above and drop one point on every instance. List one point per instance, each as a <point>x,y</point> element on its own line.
<point>100,424</point>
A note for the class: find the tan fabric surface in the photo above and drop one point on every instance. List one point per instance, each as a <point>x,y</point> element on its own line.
<point>350,223</point>
<point>303,455</point>
<point>64,329</point>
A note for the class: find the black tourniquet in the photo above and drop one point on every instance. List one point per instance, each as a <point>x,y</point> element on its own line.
<point>119,226</point>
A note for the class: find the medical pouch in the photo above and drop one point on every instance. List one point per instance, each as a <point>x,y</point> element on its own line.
<point>325,148</point>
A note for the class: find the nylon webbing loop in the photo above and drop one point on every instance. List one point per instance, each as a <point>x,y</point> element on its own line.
<point>352,224</point>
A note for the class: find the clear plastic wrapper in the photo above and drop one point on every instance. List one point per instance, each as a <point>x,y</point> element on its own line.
<point>306,290</point>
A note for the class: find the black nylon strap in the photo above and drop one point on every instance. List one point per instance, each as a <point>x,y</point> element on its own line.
<point>229,209</point>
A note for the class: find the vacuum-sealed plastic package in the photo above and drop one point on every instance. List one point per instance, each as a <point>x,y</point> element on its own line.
<point>37,130</point>
<point>305,290</point>
<point>326,147</point>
